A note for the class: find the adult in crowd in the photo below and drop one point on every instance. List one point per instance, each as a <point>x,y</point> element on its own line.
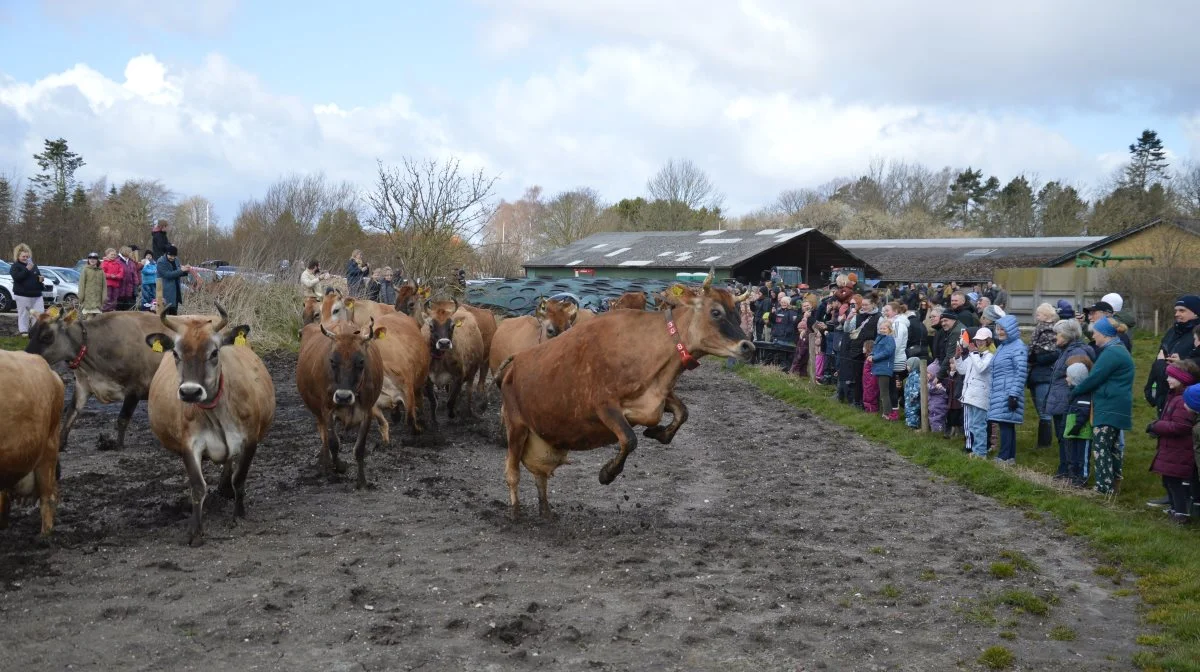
<point>357,271</point>
<point>158,239</point>
<point>387,290</point>
<point>964,309</point>
<point>170,270</point>
<point>1111,385</point>
<point>1176,344</point>
<point>784,322</point>
<point>131,280</point>
<point>1102,309</point>
<point>91,286</point>
<point>114,275</point>
<point>149,274</point>
<point>746,312</point>
<point>863,330</point>
<point>918,334</point>
<point>936,337</point>
<point>310,280</point>
<point>989,315</point>
<point>27,286</point>
<point>1043,354</point>
<point>1123,316</point>
<point>1006,396</point>
<point>952,331</point>
<point>1065,310</point>
<point>1068,339</point>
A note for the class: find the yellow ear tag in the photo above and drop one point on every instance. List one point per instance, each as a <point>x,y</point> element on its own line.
<point>349,304</point>
<point>458,323</point>
<point>157,347</point>
<point>677,290</point>
<point>240,339</point>
<point>53,312</point>
<point>380,334</point>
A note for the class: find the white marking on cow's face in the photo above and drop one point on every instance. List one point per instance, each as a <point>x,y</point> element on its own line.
<point>343,397</point>
<point>192,393</point>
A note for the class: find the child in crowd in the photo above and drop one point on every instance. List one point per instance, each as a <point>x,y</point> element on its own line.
<point>975,366</point>
<point>1174,460</point>
<point>1191,399</point>
<point>912,393</point>
<point>881,360</point>
<point>939,397</point>
<point>1077,429</point>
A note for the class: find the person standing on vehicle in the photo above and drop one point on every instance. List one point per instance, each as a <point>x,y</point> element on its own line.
<point>91,286</point>
<point>170,271</point>
<point>27,286</point>
<point>158,239</point>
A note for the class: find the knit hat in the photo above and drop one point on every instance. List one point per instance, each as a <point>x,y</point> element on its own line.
<point>1076,374</point>
<point>1189,301</point>
<point>172,251</point>
<point>933,369</point>
<point>913,364</point>
<point>1105,326</point>
<point>1191,398</point>
<point>1113,299</point>
<point>993,313</point>
<point>1180,374</point>
<point>1065,310</point>
<point>982,333</point>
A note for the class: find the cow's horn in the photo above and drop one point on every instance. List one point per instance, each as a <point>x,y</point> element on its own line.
<point>455,303</point>
<point>712,272</point>
<point>169,321</point>
<point>326,332</point>
<point>224,317</point>
<point>370,330</point>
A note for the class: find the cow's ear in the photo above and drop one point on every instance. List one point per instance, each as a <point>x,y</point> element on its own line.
<point>71,316</point>
<point>236,335</point>
<point>380,332</point>
<point>571,310</point>
<point>160,342</point>
<point>349,304</point>
<point>54,312</point>
<point>540,311</point>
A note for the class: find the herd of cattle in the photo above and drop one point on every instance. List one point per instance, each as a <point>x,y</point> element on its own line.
<point>568,379</point>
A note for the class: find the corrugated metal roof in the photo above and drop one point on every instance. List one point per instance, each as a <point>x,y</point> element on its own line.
<point>959,259</point>
<point>667,249</point>
<point>1191,226</point>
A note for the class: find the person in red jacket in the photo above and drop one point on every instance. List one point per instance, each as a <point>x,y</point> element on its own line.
<point>114,274</point>
<point>1174,459</point>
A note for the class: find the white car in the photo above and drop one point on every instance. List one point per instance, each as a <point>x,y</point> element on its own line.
<point>6,289</point>
<point>66,284</point>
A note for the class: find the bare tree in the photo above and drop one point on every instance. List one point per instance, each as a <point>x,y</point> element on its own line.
<point>308,198</point>
<point>515,226</point>
<point>791,201</point>
<point>683,182</point>
<point>429,210</point>
<point>1186,186</point>
<point>571,216</point>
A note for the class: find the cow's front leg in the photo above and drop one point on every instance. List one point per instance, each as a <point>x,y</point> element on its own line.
<point>679,415</point>
<point>431,395</point>
<point>239,479</point>
<point>127,407</point>
<point>360,452</point>
<point>191,462</point>
<point>455,389</point>
<point>614,419</point>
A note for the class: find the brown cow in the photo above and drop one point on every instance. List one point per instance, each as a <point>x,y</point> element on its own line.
<point>31,415</point>
<point>551,318</point>
<point>405,370</point>
<point>108,355</point>
<point>588,387</point>
<point>456,348</point>
<point>631,301</point>
<point>409,301</point>
<point>340,376</point>
<point>213,398</point>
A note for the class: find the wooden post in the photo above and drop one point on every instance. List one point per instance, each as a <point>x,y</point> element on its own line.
<point>924,374</point>
<point>1156,331</point>
<point>158,296</point>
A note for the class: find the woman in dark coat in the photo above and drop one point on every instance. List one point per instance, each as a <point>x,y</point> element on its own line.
<point>1068,336</point>
<point>1043,353</point>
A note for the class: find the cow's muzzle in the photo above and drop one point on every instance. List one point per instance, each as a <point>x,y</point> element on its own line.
<point>343,397</point>
<point>444,344</point>
<point>192,393</point>
<point>745,350</point>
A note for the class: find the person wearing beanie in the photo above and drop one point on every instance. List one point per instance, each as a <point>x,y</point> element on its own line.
<point>1043,353</point>
<point>1006,399</point>
<point>1077,428</point>
<point>1065,310</point>
<point>1174,460</point>
<point>1176,344</point>
<point>991,314</point>
<point>1111,386</point>
<point>1113,299</point>
<point>1072,349</point>
<point>170,271</point>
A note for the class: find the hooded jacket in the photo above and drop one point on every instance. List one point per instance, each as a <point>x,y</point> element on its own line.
<point>1174,431</point>
<point>1058,400</point>
<point>1111,385</point>
<point>1009,370</point>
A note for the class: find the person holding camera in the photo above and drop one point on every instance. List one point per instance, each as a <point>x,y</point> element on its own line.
<point>27,287</point>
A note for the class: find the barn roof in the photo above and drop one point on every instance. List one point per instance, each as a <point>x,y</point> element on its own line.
<point>959,259</point>
<point>1191,226</point>
<point>723,249</point>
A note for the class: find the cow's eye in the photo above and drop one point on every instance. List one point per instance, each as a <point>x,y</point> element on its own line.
<point>176,355</point>
<point>214,355</point>
<point>716,313</point>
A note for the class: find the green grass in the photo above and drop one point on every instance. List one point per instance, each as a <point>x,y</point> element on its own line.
<point>1021,600</point>
<point>12,343</point>
<point>1129,538</point>
<point>1062,633</point>
<point>1003,570</point>
<point>996,658</point>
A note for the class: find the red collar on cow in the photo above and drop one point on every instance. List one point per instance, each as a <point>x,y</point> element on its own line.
<point>689,362</point>
<point>220,390</point>
<point>74,363</point>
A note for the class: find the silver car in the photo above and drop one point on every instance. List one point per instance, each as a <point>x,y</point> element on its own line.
<point>66,284</point>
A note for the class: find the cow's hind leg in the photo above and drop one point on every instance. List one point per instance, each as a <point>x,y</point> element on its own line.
<point>47,488</point>
<point>431,395</point>
<point>518,434</point>
<point>360,452</point>
<point>191,462</point>
<point>679,415</point>
<point>127,407</point>
<point>240,470</point>
<point>384,427</point>
<point>614,419</point>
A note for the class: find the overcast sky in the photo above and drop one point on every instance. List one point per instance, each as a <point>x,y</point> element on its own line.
<point>221,97</point>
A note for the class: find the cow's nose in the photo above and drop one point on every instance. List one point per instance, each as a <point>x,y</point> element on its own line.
<point>191,392</point>
<point>343,397</point>
<point>746,349</point>
<point>444,344</point>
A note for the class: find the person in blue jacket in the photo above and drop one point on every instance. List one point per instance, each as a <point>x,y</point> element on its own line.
<point>149,275</point>
<point>1006,398</point>
<point>882,355</point>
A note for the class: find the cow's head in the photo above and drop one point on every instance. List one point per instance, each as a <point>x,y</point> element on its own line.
<point>196,344</point>
<point>408,298</point>
<point>714,327</point>
<point>441,320</point>
<point>348,359</point>
<point>631,300</point>
<point>56,335</point>
<point>555,315</point>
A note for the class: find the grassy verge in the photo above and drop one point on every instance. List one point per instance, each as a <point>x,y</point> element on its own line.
<point>12,343</point>
<point>1128,536</point>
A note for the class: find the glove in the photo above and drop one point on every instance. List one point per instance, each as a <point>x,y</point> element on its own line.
<point>1012,404</point>
<point>1150,429</point>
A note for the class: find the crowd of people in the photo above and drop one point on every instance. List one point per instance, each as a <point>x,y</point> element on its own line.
<point>1076,364</point>
<point>361,280</point>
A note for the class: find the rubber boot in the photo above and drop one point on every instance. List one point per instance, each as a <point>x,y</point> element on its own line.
<point>1045,434</point>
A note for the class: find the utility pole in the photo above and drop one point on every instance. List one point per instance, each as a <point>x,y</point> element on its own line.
<point>206,222</point>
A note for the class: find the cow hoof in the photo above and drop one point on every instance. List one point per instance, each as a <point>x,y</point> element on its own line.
<point>195,540</point>
<point>658,433</point>
<point>544,509</point>
<point>340,467</point>
<point>239,510</point>
<point>608,474</point>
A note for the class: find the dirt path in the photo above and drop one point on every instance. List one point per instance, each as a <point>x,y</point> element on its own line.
<point>763,539</point>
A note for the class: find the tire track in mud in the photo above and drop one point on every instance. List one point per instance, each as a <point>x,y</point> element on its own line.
<point>762,538</point>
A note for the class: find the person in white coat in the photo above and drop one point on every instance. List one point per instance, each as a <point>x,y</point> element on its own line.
<point>975,366</point>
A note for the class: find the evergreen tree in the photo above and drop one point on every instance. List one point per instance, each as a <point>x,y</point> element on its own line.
<point>968,198</point>
<point>1060,210</point>
<point>29,218</point>
<point>7,212</point>
<point>1147,162</point>
<point>58,164</point>
<point>1010,213</point>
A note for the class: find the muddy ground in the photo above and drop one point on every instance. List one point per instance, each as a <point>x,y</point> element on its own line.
<point>762,539</point>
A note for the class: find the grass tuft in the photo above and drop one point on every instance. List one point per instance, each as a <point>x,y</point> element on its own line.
<point>996,658</point>
<point>1061,633</point>
<point>1003,570</point>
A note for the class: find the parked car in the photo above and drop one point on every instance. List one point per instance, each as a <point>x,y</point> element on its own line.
<point>66,284</point>
<point>6,286</point>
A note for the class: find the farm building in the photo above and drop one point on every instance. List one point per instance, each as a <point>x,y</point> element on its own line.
<point>964,260</point>
<point>1169,242</point>
<point>662,255</point>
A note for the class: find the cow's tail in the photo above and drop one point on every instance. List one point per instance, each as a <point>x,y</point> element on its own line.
<point>502,370</point>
